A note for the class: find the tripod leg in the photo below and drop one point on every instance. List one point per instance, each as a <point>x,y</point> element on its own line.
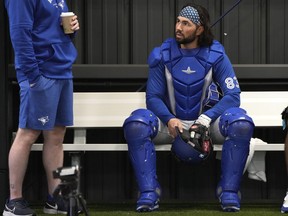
<point>73,208</point>
<point>83,204</point>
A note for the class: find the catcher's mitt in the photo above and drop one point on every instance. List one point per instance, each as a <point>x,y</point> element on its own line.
<point>189,149</point>
<point>199,137</point>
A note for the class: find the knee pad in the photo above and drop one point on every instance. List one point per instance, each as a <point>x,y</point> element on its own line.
<point>238,128</point>
<point>141,123</point>
<point>235,123</point>
<point>139,129</point>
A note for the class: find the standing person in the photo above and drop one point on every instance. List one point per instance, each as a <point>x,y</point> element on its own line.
<point>44,55</point>
<point>181,72</point>
<point>284,208</point>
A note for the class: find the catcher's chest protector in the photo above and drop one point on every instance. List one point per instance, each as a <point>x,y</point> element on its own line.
<point>187,74</point>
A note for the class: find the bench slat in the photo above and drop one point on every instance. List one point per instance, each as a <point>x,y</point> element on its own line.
<point>265,107</point>
<point>105,109</point>
<point>165,147</point>
<point>110,109</point>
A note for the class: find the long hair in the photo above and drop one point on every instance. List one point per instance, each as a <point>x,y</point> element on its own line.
<point>206,38</point>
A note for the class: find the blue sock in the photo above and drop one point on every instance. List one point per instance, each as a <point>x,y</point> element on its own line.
<point>50,197</point>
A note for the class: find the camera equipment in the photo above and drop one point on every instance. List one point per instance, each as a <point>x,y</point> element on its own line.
<point>68,189</point>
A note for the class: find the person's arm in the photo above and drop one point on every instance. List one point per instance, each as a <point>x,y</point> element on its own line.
<point>155,94</point>
<point>224,76</point>
<point>21,19</point>
<point>157,88</point>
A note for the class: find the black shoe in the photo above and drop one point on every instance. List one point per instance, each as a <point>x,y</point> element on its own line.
<point>56,206</point>
<point>18,207</point>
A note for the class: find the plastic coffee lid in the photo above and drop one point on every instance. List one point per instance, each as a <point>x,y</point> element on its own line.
<point>63,14</point>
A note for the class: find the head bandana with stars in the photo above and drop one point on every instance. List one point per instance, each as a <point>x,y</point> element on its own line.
<point>190,13</point>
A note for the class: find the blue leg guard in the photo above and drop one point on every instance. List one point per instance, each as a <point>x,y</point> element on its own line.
<point>139,129</point>
<point>238,128</point>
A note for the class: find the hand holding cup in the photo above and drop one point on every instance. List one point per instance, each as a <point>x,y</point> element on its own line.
<point>69,22</point>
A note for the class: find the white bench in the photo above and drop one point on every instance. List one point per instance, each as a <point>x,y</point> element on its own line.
<point>110,109</point>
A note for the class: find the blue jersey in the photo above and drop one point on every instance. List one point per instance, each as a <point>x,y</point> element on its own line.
<point>40,45</point>
<point>178,80</point>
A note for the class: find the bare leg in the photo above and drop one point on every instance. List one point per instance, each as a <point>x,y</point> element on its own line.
<point>18,159</point>
<point>53,154</point>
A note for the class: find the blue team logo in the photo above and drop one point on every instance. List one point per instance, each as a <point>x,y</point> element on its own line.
<point>56,3</point>
<point>188,71</point>
<point>44,120</point>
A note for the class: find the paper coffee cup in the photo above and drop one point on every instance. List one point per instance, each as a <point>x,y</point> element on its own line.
<point>66,22</point>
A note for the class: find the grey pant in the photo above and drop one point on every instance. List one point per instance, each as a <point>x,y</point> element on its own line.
<point>163,136</point>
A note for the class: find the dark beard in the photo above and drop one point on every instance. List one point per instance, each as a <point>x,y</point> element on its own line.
<point>187,40</point>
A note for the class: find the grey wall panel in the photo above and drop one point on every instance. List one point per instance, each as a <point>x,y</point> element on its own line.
<point>168,19</point>
<point>79,8</point>
<point>285,27</point>
<point>158,17</point>
<point>230,31</point>
<point>241,33</point>
<point>139,31</point>
<point>125,31</point>
<point>102,32</point>
<point>277,19</point>
<point>259,29</point>
<point>151,24</point>
<point>249,32</point>
<point>110,31</point>
<point>107,32</point>
<point>93,37</point>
